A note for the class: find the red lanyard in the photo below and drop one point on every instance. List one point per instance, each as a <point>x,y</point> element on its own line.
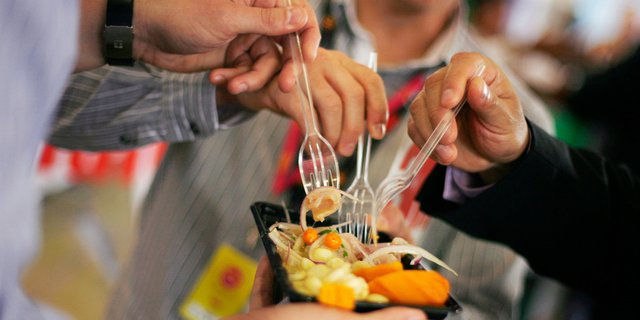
<point>287,174</point>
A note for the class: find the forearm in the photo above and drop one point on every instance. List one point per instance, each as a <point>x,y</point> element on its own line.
<point>122,108</point>
<point>558,207</point>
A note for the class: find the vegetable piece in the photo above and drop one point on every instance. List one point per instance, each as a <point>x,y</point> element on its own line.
<point>332,241</point>
<point>417,287</point>
<point>371,273</point>
<point>416,251</point>
<point>321,255</point>
<point>337,295</point>
<point>377,298</point>
<point>309,236</point>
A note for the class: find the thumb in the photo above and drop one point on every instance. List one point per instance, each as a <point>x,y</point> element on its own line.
<point>267,21</point>
<point>489,108</point>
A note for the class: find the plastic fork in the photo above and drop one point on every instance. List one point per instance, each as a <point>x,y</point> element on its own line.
<point>391,186</point>
<point>358,212</point>
<point>317,160</point>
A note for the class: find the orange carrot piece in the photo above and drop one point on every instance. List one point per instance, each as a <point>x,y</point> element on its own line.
<point>332,241</point>
<point>337,295</point>
<point>415,287</point>
<point>309,236</point>
<point>371,273</point>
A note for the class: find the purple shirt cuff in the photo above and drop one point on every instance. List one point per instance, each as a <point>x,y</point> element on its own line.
<point>460,186</point>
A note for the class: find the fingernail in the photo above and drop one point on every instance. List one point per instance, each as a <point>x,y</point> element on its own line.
<point>447,95</point>
<point>296,16</point>
<point>486,94</point>
<point>218,79</point>
<point>379,130</point>
<point>242,87</point>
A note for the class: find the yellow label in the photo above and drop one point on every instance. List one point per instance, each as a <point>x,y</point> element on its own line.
<point>223,287</point>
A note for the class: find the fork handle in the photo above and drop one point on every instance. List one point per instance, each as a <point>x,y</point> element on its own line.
<point>434,139</point>
<point>302,82</point>
<point>438,133</point>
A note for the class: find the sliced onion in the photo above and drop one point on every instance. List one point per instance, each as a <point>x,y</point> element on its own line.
<point>333,226</point>
<point>286,226</point>
<point>275,237</point>
<point>354,243</point>
<point>417,251</point>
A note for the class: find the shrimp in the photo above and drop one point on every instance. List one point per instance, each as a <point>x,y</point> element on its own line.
<point>322,202</point>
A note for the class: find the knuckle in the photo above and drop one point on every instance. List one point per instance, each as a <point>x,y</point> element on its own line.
<point>268,18</point>
<point>330,103</point>
<point>353,131</point>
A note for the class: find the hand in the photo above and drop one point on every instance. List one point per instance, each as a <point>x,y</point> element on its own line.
<point>345,93</point>
<point>488,133</point>
<point>186,36</point>
<point>261,299</point>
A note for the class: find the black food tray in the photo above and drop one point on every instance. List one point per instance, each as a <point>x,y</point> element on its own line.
<point>266,214</point>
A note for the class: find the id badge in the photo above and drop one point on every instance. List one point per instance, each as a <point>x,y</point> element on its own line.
<point>223,287</point>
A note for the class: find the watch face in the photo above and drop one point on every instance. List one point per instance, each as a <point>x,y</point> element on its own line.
<point>118,45</point>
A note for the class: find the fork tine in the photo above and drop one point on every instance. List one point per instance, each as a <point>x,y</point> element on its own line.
<point>332,180</point>
<point>322,173</point>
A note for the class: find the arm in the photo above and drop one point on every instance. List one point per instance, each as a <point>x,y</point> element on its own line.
<point>117,108</point>
<point>570,212</point>
<point>195,37</point>
<point>120,108</point>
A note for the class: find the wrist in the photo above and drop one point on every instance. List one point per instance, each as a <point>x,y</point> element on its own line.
<point>498,171</point>
<point>90,34</point>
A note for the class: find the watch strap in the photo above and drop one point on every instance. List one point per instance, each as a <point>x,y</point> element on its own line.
<point>118,33</point>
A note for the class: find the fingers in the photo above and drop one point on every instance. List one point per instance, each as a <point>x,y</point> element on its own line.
<point>329,105</point>
<point>491,126</point>
<point>463,67</point>
<point>253,69</point>
<point>262,292</point>
<point>317,311</point>
<point>352,97</point>
<point>345,94</point>
<point>426,112</point>
<point>377,109</point>
<point>267,21</point>
<point>398,313</point>
<point>309,34</point>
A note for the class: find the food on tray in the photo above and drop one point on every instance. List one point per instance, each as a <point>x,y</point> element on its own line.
<point>338,270</point>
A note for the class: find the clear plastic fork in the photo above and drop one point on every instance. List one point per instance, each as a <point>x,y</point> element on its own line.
<point>357,213</point>
<point>317,160</point>
<point>392,186</point>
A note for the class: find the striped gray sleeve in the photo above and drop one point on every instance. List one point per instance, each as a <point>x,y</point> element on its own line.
<point>113,108</point>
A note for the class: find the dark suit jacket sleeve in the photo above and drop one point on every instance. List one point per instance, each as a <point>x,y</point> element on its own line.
<point>573,215</point>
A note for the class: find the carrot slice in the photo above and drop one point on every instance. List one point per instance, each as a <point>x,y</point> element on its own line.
<point>370,273</point>
<point>416,287</point>
<point>337,295</point>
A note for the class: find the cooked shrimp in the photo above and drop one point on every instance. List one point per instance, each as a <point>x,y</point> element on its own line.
<point>322,202</point>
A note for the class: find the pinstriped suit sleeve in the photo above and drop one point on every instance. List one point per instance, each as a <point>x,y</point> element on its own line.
<point>113,108</point>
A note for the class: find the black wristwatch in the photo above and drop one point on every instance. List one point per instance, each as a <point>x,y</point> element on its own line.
<point>118,33</point>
